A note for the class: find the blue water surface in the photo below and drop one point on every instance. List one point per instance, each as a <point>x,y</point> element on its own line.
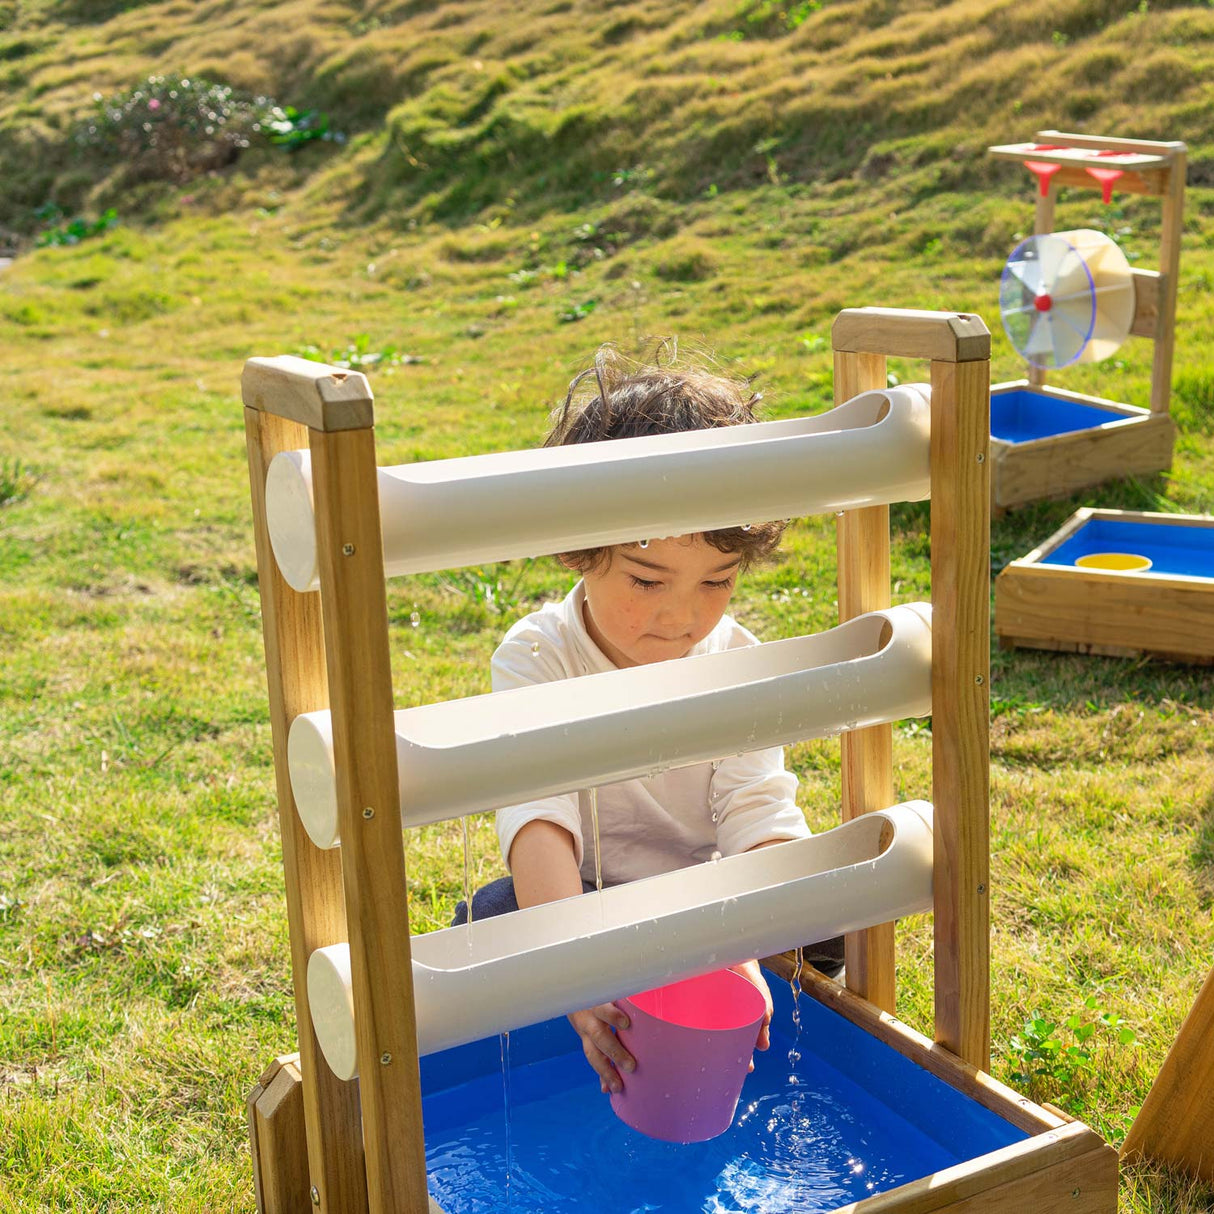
<point>1020,415</point>
<point>829,1116</point>
<point>1174,548</point>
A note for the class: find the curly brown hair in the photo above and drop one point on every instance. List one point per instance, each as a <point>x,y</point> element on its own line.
<point>622,397</point>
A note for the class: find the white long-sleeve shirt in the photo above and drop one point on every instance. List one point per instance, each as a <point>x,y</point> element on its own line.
<point>654,825</point>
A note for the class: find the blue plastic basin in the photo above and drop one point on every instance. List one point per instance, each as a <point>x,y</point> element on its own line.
<point>1174,548</point>
<point>847,1118</point>
<point>1020,415</point>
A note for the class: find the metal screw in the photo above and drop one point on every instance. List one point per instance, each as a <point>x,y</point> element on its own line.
<point>979,679</point>
<point>982,889</point>
<point>981,458</point>
<point>1074,1192</point>
<point>347,549</point>
<point>385,1058</point>
<point>368,812</point>
<point>315,1196</point>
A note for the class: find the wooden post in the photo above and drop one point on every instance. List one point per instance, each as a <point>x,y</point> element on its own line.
<point>958,347</point>
<point>357,893</point>
<point>1043,223</point>
<point>278,1139</point>
<point>862,538</point>
<point>294,644</point>
<point>1171,228</point>
<point>354,603</point>
<point>1175,1126</point>
<point>961,705</point>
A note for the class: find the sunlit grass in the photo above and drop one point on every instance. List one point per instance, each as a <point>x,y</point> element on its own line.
<point>741,191</point>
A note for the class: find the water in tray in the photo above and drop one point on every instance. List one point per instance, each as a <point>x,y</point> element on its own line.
<point>808,1142</point>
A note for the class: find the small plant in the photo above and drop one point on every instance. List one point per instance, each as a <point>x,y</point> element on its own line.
<point>16,480</point>
<point>287,127</point>
<point>634,177</point>
<point>77,230</point>
<point>770,18</point>
<point>357,355</point>
<point>1057,1059</point>
<point>577,312</point>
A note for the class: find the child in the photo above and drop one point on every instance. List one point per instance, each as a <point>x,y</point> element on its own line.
<point>647,601</point>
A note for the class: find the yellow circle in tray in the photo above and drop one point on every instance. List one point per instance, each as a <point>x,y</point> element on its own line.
<point>1125,562</point>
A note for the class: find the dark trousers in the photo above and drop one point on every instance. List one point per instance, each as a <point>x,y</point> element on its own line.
<point>497,898</point>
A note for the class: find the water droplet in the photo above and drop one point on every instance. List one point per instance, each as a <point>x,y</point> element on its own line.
<point>415,619</point>
<point>715,816</point>
<point>644,543</point>
<point>716,764</point>
<point>746,526</point>
<point>535,646</point>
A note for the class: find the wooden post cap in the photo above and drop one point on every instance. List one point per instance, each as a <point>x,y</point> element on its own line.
<point>952,337</point>
<point>321,397</point>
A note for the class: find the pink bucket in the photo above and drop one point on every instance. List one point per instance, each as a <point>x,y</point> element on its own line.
<point>692,1042</point>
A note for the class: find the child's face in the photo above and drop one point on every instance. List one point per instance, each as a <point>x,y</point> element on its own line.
<point>654,603</point>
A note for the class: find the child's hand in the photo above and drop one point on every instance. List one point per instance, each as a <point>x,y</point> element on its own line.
<point>602,1047</point>
<point>751,971</point>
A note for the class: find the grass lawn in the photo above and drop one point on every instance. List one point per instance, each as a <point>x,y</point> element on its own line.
<point>144,975</point>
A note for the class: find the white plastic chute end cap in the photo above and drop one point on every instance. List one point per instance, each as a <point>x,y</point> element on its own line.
<point>926,812</point>
<point>291,519</point>
<point>331,1003</point>
<point>313,778</point>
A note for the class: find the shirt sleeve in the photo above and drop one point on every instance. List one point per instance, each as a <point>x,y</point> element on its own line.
<point>525,657</point>
<point>754,799</point>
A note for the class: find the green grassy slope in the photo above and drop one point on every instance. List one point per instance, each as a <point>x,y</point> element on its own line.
<point>511,194</point>
<point>455,109</point>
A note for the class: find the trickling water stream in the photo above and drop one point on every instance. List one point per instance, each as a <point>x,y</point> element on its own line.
<point>794,1052</point>
<point>505,1040</point>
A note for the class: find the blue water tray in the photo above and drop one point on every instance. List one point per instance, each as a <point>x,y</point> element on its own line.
<point>1174,548</point>
<point>1020,415</point>
<point>829,1116</point>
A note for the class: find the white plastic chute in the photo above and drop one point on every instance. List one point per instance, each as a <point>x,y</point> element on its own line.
<point>1067,297</point>
<point>464,756</point>
<point>871,450</point>
<point>500,974</point>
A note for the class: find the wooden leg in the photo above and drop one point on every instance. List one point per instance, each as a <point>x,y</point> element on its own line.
<point>278,1139</point>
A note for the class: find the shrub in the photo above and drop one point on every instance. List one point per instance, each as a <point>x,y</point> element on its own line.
<point>173,127</point>
<point>74,232</point>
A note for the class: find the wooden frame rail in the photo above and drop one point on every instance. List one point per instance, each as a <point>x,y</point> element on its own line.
<point>365,1144</point>
<point>958,348</point>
